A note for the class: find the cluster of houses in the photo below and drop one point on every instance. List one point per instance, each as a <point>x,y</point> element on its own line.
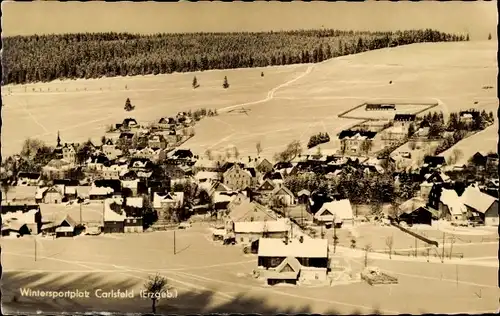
<point>441,198</point>
<point>136,169</point>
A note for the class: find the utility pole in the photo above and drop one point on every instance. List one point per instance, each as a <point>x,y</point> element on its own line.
<point>35,247</point>
<point>80,213</point>
<point>174,242</point>
<point>416,247</point>
<point>442,255</point>
<point>334,236</point>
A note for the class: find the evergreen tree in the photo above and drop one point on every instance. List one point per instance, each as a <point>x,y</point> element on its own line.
<point>128,105</point>
<point>195,83</point>
<point>262,74</point>
<point>489,37</point>
<point>467,37</point>
<point>225,85</point>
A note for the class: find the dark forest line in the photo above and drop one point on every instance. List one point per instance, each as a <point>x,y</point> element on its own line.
<point>36,58</point>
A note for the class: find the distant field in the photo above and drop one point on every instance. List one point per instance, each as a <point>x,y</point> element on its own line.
<point>289,102</point>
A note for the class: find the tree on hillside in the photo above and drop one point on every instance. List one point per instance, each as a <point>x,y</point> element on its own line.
<point>195,83</point>
<point>292,150</point>
<point>411,130</point>
<point>225,85</point>
<point>258,147</point>
<point>208,154</point>
<point>236,153</point>
<point>467,37</point>
<point>128,105</point>
<point>262,74</point>
<point>489,37</point>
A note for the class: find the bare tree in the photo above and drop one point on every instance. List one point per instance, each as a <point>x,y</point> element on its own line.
<point>412,145</point>
<point>155,286</point>
<point>366,249</point>
<point>208,154</point>
<point>452,241</point>
<point>389,241</point>
<point>236,153</point>
<point>5,188</point>
<point>258,147</point>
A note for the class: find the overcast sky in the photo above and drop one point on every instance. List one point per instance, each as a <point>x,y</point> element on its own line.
<point>24,18</point>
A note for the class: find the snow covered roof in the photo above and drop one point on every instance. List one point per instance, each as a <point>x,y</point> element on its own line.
<point>135,202</point>
<point>280,225</point>
<point>205,163</point>
<point>308,248</point>
<point>130,184</point>
<point>110,215</point>
<point>219,197</point>
<point>477,200</point>
<point>206,175</point>
<point>451,199</point>
<point>24,217</point>
<point>100,190</point>
<point>341,209</point>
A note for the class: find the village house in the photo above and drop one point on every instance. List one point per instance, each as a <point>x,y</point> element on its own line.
<point>481,207</point>
<point>404,120</point>
<point>379,107</point>
<point>451,206</point>
<point>140,164</point>
<point>69,153</point>
<point>110,150</point>
<point>133,225</point>
<point>266,188</point>
<point>28,178</point>
<point>66,228</point>
<point>248,232</point>
<point>96,163</point>
<point>303,196</point>
<point>237,178</point>
<point>263,165</point>
<point>335,212</point>
<point>100,193</point>
<point>115,185</point>
<point>206,165</point>
<point>157,142</point>
<point>22,222</point>
<point>415,211</point>
<point>425,190</point>
<point>168,200</point>
<point>356,142</point>
<point>14,227</point>
<point>207,176</point>
<point>242,209</point>
<point>468,116</point>
<point>154,155</point>
<point>56,169</point>
<point>126,139</point>
<point>131,186</point>
<point>50,195</point>
<point>293,261</point>
<point>283,196</point>
<point>434,162</point>
<point>113,172</point>
<point>113,222</point>
<point>166,122</point>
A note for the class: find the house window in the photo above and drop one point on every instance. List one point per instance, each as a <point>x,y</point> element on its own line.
<point>241,239</point>
<point>134,221</point>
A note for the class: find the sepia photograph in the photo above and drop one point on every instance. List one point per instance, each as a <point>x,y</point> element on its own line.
<point>249,157</point>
